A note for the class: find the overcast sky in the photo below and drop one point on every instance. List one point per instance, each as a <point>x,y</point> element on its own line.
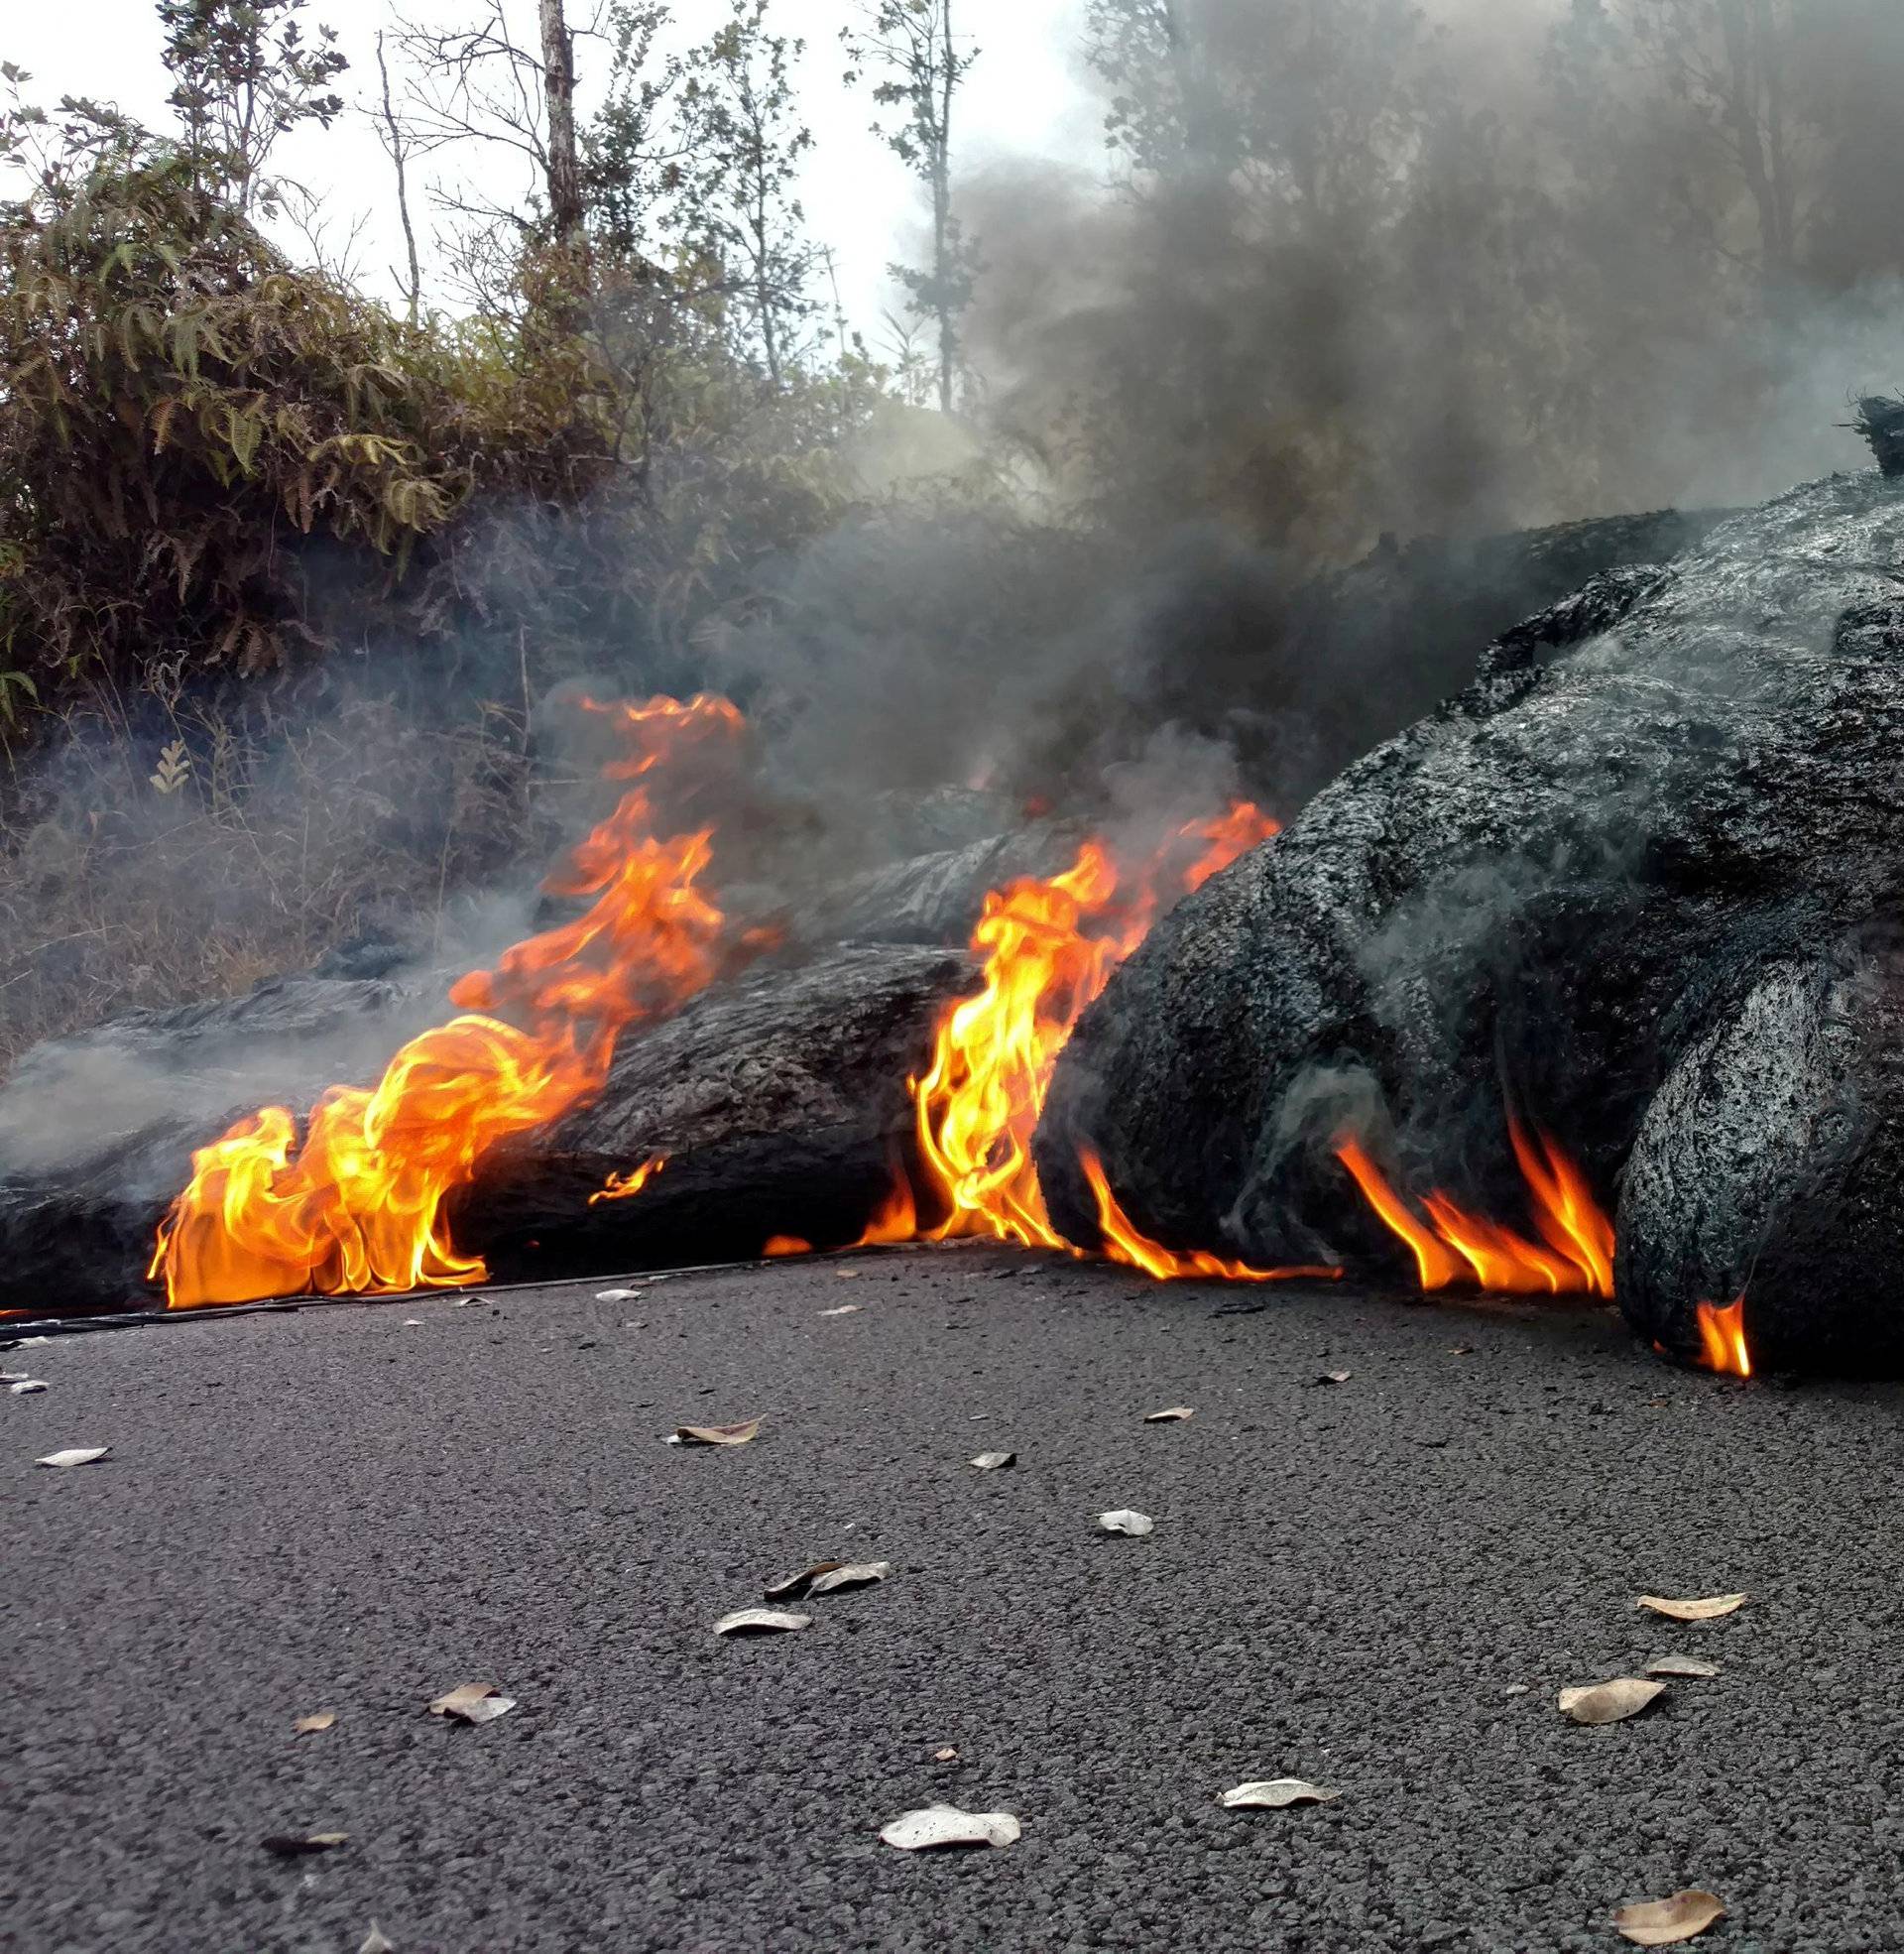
<point>1024,97</point>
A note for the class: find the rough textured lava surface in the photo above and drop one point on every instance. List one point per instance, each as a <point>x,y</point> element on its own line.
<point>1635,885</point>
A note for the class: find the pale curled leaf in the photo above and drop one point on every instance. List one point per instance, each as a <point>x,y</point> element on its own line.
<point>947,1825</point>
<point>376,1941</point>
<point>796,1586</point>
<point>761,1622</point>
<point>1121,1519</point>
<point>616,1296</point>
<point>28,1388</point>
<point>715,1434</point>
<point>994,1461</point>
<point>1706,1610</point>
<point>1170,1414</point>
<point>1335,1377</point>
<point>1272,1794</point>
<point>295,1845</point>
<point>855,1574</point>
<point>946,1753</point>
<point>473,1702</point>
<point>1660,1922</point>
<point>845,1310</point>
<point>1681,1666</point>
<point>74,1455</point>
<point>1611,1702</point>
<point>319,1720</point>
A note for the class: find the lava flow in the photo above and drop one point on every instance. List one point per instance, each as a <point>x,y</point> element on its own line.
<point>1722,1337</point>
<point>1049,947</point>
<point>355,1204</point>
<point>1574,1256</point>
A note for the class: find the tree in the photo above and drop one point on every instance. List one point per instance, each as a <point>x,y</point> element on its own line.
<point>910,46</point>
<point>635,157</point>
<point>559,96</point>
<point>1702,104</point>
<point>398,142</point>
<point>743,146</point>
<point>243,75</point>
<point>481,85</point>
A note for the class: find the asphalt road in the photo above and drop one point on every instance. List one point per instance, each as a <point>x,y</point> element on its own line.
<point>1378,1585</point>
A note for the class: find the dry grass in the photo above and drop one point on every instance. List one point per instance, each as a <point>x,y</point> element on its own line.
<point>153,871</point>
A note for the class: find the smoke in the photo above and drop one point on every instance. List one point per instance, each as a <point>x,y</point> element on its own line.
<point>1351,275</point>
<point>1360,269</point>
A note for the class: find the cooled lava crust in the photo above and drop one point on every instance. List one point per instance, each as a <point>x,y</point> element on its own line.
<point>1634,883</point>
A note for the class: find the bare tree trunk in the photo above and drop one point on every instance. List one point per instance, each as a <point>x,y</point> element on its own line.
<point>1741,111</point>
<point>396,142</point>
<point>559,88</point>
<point>1772,60</point>
<point>942,212</point>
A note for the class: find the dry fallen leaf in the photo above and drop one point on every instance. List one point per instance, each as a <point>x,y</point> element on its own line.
<point>761,1622</point>
<point>994,1461</point>
<point>294,1845</point>
<point>1681,1666</point>
<point>27,1387</point>
<point>473,1702</point>
<point>616,1296</point>
<point>1335,1377</point>
<point>1461,1350</point>
<point>376,1941</point>
<point>845,1310</point>
<point>715,1434</point>
<point>1706,1610</point>
<point>1171,1414</point>
<point>856,1574</point>
<point>1121,1520</point>
<point>845,1275</point>
<point>946,1753</point>
<point>1660,1922</point>
<point>796,1586</point>
<point>1609,1702</point>
<point>947,1825</point>
<point>76,1456</point>
<point>322,1720</point>
<point>1272,1794</point>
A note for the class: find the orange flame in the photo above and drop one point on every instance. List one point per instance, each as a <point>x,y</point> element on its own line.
<point>780,1245</point>
<point>1049,947</point>
<point>1124,1243</point>
<point>619,1186</point>
<point>896,1220</point>
<point>357,1206</point>
<point>1454,1245</point>
<point>1721,1336</point>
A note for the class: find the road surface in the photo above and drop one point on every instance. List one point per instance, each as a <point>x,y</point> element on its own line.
<point>1377,1584</point>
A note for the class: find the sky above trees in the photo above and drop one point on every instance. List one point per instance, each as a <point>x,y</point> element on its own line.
<point>1025,97</point>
